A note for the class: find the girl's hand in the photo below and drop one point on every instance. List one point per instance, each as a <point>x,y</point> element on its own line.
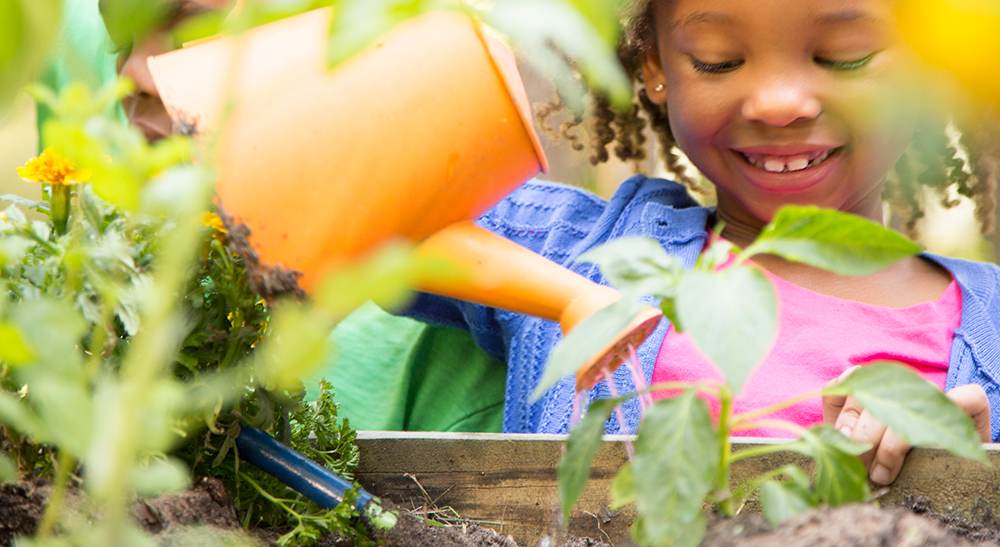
<point>885,459</point>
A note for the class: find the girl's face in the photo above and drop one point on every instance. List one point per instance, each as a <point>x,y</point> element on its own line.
<point>785,101</point>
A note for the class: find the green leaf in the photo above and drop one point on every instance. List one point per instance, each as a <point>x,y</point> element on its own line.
<point>913,408</point>
<point>637,264</point>
<point>605,16</point>
<point>160,477</point>
<point>27,31</point>
<point>357,24</point>
<point>13,348</point>
<point>840,476</point>
<point>585,341</point>
<point>537,26</point>
<point>16,413</point>
<point>732,317</point>
<point>8,469</point>
<point>581,447</point>
<point>129,21</point>
<point>843,243</point>
<point>52,329</point>
<point>623,488</point>
<point>14,198</point>
<point>677,454</point>
<point>65,407</point>
<point>782,500</point>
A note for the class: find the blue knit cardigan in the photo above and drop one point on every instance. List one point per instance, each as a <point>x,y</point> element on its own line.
<point>561,222</point>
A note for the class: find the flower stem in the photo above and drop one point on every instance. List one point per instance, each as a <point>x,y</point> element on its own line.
<point>65,464</point>
<point>726,506</point>
<point>59,207</point>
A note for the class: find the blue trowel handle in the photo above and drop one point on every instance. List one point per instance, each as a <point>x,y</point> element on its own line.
<point>295,470</point>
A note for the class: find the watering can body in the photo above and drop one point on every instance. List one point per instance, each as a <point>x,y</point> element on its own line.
<point>424,130</point>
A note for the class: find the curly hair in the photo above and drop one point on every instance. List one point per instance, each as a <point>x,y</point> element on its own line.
<point>947,156</point>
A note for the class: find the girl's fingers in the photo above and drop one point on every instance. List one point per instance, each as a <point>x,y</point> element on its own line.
<point>833,405</point>
<point>972,399</point>
<point>866,430</point>
<point>849,416</point>
<point>889,458</point>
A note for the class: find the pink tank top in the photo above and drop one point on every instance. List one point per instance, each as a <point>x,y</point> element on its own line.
<point>819,337</point>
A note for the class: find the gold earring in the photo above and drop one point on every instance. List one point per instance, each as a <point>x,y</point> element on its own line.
<point>659,87</point>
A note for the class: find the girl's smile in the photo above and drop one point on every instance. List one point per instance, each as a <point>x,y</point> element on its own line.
<point>784,101</point>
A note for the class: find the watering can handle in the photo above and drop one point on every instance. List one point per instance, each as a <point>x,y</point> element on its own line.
<point>502,274</point>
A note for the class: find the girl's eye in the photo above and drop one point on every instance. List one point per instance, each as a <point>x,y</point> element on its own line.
<point>844,65</point>
<point>715,68</point>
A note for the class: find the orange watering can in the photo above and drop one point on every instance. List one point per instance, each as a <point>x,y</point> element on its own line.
<point>427,129</point>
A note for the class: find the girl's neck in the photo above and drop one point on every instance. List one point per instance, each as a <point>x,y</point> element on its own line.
<point>741,227</point>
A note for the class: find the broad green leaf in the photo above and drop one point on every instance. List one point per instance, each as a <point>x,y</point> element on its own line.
<point>8,469</point>
<point>64,406</point>
<point>581,447</point>
<point>14,198</point>
<point>623,488</point>
<point>16,413</point>
<point>677,454</point>
<point>637,264</point>
<point>536,27</point>
<point>160,477</point>
<point>13,348</point>
<point>605,16</point>
<point>357,24</point>
<point>732,317</point>
<point>783,500</point>
<point>913,408</point>
<point>129,21</point>
<point>52,329</point>
<point>585,341</point>
<point>843,243</point>
<point>840,476</point>
<point>27,31</point>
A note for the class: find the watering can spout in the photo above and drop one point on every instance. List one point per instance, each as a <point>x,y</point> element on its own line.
<point>502,274</point>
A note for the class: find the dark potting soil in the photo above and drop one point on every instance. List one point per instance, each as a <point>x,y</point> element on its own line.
<point>207,511</point>
<point>266,280</point>
<point>858,525</point>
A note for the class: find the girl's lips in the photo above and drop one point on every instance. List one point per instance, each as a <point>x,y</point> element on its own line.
<point>787,172</point>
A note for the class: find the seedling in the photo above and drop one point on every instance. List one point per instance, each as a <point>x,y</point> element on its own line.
<point>729,308</point>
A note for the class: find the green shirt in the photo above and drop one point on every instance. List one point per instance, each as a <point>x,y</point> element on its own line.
<point>397,374</point>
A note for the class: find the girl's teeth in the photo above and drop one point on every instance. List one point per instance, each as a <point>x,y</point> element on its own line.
<point>786,164</point>
<point>774,166</point>
<point>798,164</point>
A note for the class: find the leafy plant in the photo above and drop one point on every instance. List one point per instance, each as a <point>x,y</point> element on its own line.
<point>729,309</point>
<point>132,327</point>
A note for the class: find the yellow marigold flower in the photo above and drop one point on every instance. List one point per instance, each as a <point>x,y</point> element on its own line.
<point>54,169</point>
<point>212,220</point>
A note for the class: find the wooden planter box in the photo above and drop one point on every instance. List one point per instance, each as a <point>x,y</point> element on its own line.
<point>508,482</point>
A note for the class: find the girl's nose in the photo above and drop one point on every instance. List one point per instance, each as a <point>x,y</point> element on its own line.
<point>780,101</point>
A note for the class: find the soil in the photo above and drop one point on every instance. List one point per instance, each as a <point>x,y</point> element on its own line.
<point>269,282</point>
<point>206,511</point>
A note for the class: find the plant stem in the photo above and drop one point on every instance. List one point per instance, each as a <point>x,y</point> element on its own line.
<point>722,484</point>
<point>760,450</point>
<point>65,462</point>
<point>773,408</point>
<point>59,207</point>
<point>779,424</point>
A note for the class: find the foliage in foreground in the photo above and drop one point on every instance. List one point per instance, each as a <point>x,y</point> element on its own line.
<point>730,311</point>
<point>127,326</point>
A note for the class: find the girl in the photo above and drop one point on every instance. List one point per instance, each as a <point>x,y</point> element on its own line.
<point>776,102</point>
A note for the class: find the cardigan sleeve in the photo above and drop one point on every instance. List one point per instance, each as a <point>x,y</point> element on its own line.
<point>547,218</point>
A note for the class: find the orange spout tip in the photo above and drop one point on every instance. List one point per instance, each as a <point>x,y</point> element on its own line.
<point>608,360</point>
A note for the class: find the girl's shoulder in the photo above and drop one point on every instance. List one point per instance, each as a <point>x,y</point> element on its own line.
<point>539,202</point>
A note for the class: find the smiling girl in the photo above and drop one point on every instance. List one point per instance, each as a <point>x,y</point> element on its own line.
<point>776,102</point>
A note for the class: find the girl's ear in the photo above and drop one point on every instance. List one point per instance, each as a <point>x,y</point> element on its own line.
<point>652,74</point>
